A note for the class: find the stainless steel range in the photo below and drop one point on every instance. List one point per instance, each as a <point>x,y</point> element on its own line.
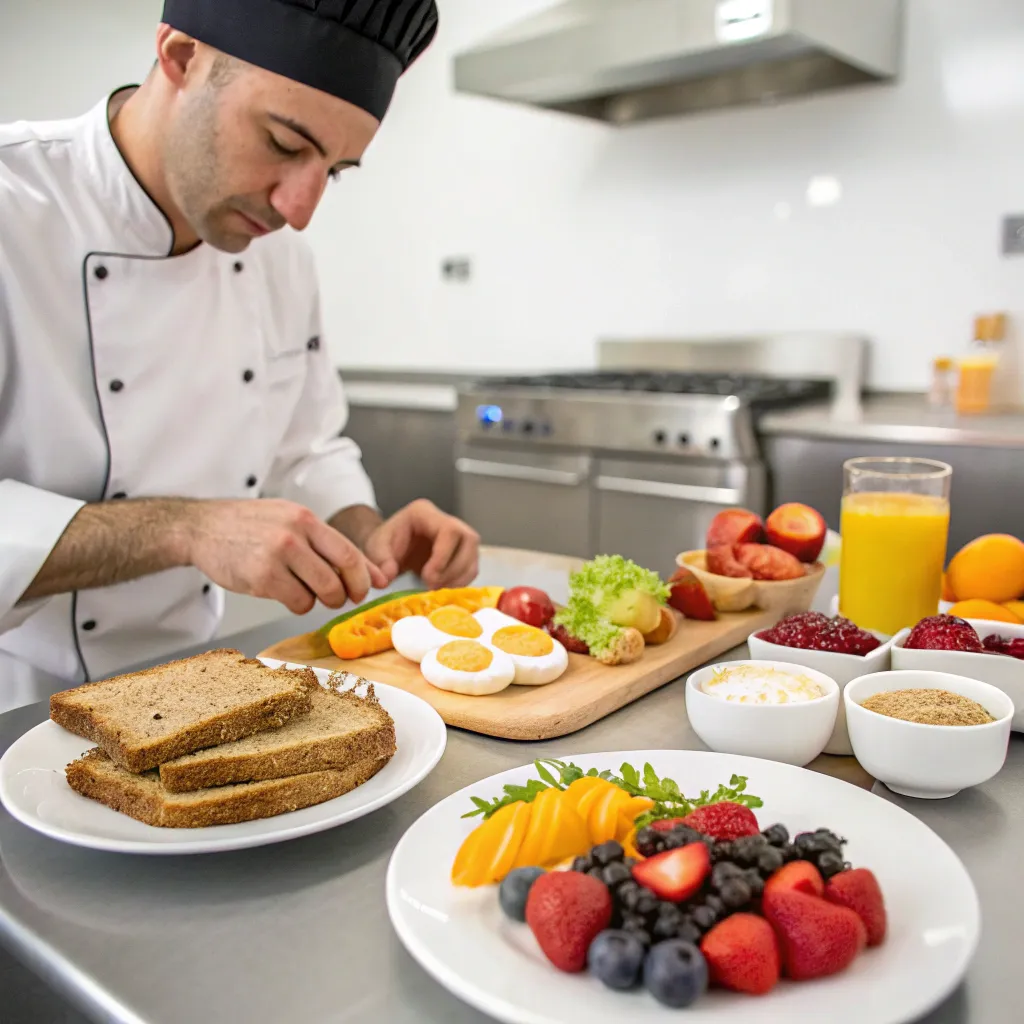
<point>635,462</point>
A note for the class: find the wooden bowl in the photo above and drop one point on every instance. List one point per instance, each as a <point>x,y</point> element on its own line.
<point>783,597</point>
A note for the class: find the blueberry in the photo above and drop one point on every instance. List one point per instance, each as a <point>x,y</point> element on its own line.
<point>830,864</point>
<point>616,873</point>
<point>777,835</point>
<point>616,957</point>
<point>770,861</point>
<point>675,973</point>
<point>582,865</point>
<point>514,889</point>
<point>735,893</point>
<point>704,917</point>
<point>608,852</point>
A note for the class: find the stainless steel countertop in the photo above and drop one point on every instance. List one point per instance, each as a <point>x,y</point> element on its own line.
<point>298,931</point>
<point>904,419</point>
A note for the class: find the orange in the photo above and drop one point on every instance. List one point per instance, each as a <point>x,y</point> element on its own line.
<point>990,568</point>
<point>975,608</point>
<point>947,590</point>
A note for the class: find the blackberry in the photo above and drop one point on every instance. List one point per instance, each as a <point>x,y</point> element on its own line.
<point>582,865</point>
<point>630,861</point>
<point>715,903</point>
<point>687,835</point>
<point>638,929</point>
<point>650,842</point>
<point>669,921</point>
<point>616,873</point>
<point>597,872</point>
<point>790,853</point>
<point>721,852</point>
<point>607,853</point>
<point>703,917</point>
<point>755,880</point>
<point>722,872</point>
<point>674,840</point>
<point>747,849</point>
<point>770,861</point>
<point>646,903</point>
<point>811,844</point>
<point>689,932</point>
<point>736,893</point>
<point>830,864</point>
<point>777,835</point>
<point>628,894</point>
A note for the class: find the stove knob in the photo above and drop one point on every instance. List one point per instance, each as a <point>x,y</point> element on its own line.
<point>684,440</point>
<point>545,430</point>
<point>715,444</point>
<point>660,437</point>
<point>527,427</point>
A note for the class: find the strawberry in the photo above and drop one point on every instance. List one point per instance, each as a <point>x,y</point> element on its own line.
<point>565,911</point>
<point>743,954</point>
<point>687,595</point>
<point>665,824</point>
<point>859,891</point>
<point>816,937</point>
<point>723,821</point>
<point>675,875</point>
<point>799,876</point>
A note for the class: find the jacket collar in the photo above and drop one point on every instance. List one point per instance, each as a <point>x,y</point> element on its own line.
<point>136,223</point>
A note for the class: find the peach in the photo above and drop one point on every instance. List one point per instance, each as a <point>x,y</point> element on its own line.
<point>769,563</point>
<point>798,529</point>
<point>734,526</point>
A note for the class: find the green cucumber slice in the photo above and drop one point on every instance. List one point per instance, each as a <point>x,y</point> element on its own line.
<point>398,595</point>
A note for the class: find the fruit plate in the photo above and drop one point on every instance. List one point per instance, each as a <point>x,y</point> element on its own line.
<point>462,939</point>
<point>34,791</point>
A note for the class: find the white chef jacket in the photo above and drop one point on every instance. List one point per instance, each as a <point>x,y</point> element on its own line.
<point>127,372</point>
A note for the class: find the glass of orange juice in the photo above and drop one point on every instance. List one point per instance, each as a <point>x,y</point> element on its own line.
<point>894,529</point>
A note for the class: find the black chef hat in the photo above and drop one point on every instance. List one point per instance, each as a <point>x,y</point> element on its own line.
<point>353,49</point>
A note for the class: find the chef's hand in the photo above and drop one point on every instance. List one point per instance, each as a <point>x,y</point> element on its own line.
<point>278,549</point>
<point>442,550</point>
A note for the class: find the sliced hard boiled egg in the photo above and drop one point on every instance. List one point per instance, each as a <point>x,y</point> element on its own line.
<point>491,620</point>
<point>468,666</point>
<point>415,635</point>
<point>538,658</point>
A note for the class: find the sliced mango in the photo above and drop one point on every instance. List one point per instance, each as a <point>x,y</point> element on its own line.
<point>488,853</point>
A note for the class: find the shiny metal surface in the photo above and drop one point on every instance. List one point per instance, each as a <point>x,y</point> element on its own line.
<point>630,60</point>
<point>298,932</point>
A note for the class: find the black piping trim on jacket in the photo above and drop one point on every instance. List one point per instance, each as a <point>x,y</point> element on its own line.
<point>99,410</point>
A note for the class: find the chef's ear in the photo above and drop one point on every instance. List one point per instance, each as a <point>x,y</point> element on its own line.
<point>175,54</point>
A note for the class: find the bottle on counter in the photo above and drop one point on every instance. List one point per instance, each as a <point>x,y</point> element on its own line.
<point>940,394</point>
<point>977,369</point>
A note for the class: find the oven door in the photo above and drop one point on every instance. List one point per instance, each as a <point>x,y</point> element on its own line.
<point>650,512</point>
<point>519,499</point>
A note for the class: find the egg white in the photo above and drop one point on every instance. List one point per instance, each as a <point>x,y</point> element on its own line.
<point>415,635</point>
<point>539,669</point>
<point>491,620</point>
<point>492,679</point>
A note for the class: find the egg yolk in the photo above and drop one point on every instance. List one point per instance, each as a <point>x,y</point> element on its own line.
<point>526,641</point>
<point>455,621</point>
<point>465,656</point>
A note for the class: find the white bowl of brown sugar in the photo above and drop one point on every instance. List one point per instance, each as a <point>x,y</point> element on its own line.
<point>928,734</point>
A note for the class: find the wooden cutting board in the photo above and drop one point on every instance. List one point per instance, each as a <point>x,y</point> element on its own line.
<point>587,692</point>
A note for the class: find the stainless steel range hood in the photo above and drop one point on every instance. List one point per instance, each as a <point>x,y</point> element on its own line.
<point>631,60</point>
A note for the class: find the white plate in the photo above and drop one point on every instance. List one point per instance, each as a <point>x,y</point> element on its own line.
<point>34,790</point>
<point>461,937</point>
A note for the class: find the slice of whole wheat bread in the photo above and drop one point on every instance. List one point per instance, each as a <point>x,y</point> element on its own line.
<point>341,728</point>
<point>144,718</point>
<point>143,796</point>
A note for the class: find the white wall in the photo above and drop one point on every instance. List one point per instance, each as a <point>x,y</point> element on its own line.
<point>690,226</point>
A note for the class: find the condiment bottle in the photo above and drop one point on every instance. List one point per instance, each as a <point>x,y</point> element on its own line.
<point>940,394</point>
<point>978,367</point>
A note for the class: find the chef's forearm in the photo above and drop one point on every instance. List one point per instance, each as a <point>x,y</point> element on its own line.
<point>357,523</point>
<point>114,542</point>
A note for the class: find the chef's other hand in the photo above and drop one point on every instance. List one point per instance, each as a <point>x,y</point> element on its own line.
<point>442,550</point>
<point>281,550</point>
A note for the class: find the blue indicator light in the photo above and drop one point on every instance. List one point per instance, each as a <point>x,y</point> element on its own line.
<point>489,414</point>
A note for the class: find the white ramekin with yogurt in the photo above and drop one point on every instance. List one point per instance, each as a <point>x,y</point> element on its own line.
<point>770,709</point>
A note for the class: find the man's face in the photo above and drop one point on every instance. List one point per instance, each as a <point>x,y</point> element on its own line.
<point>248,151</point>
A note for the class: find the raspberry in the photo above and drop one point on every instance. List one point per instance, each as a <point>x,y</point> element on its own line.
<point>1013,648</point>
<point>944,633</point>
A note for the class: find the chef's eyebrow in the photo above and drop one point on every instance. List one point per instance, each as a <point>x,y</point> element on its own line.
<point>302,130</point>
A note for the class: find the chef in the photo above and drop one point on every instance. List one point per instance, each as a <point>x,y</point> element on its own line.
<point>170,420</point>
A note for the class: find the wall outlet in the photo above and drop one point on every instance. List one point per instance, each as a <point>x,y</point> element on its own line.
<point>1013,235</point>
<point>460,268</point>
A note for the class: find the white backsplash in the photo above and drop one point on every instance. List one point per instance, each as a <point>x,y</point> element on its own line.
<point>876,210</point>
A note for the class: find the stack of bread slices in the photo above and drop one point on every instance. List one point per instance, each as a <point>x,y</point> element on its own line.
<point>221,738</point>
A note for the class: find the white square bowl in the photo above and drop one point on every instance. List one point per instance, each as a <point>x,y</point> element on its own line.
<point>840,667</point>
<point>1006,674</point>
